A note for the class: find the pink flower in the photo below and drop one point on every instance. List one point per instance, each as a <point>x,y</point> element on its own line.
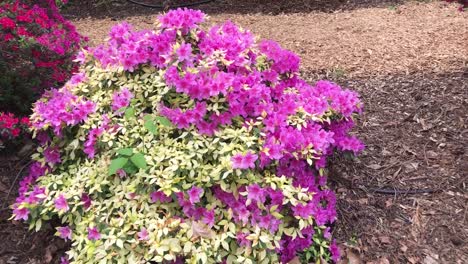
<point>160,196</point>
<point>64,260</point>
<point>255,193</point>
<point>184,52</point>
<point>209,217</point>
<point>21,213</point>
<point>246,161</point>
<point>52,155</point>
<point>194,194</point>
<point>65,232</point>
<point>93,233</point>
<point>121,99</point>
<point>143,234</point>
<point>61,203</point>
<point>335,251</point>
<point>249,160</point>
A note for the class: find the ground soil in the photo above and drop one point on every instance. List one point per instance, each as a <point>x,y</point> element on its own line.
<point>405,198</point>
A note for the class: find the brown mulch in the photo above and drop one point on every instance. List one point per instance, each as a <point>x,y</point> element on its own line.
<point>393,39</point>
<point>408,60</point>
<point>415,128</point>
<point>17,244</point>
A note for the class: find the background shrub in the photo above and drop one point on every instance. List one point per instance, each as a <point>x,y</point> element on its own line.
<point>463,3</point>
<point>12,129</point>
<point>188,145</point>
<point>37,47</point>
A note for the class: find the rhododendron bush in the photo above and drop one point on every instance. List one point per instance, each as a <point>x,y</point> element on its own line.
<point>37,46</point>
<point>188,145</point>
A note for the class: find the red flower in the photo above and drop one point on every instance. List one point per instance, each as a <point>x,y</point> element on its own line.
<point>23,32</point>
<point>7,23</point>
<point>8,37</point>
<point>15,132</point>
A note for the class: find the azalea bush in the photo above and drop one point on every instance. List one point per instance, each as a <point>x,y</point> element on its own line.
<point>187,145</point>
<point>37,46</point>
<point>12,129</point>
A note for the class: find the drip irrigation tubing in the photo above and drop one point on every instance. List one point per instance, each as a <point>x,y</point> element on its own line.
<point>170,6</point>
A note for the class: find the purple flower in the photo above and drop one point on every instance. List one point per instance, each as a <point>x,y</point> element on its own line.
<point>61,203</point>
<point>64,260</point>
<point>121,99</point>
<point>65,232</point>
<point>121,173</point>
<point>326,233</point>
<point>335,251</point>
<point>93,233</point>
<point>246,161</point>
<point>237,161</point>
<point>21,213</point>
<point>52,155</point>
<point>143,234</point>
<point>209,217</point>
<point>301,210</point>
<point>255,193</point>
<point>86,200</point>
<point>184,52</point>
<point>160,196</point>
<point>194,194</point>
<point>249,160</point>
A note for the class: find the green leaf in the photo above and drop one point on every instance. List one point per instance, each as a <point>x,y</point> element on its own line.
<point>139,160</point>
<point>164,121</point>
<point>149,124</point>
<point>38,224</point>
<point>129,113</point>
<point>116,164</point>
<point>125,151</point>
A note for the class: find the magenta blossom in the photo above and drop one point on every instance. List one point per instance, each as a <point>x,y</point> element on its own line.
<point>64,260</point>
<point>143,234</point>
<point>61,203</point>
<point>335,251</point>
<point>121,99</point>
<point>194,194</point>
<point>255,193</point>
<point>246,161</point>
<point>65,232</point>
<point>184,52</point>
<point>86,200</point>
<point>21,213</point>
<point>52,155</point>
<point>93,233</point>
<point>160,196</point>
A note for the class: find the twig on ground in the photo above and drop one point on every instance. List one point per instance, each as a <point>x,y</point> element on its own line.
<point>13,185</point>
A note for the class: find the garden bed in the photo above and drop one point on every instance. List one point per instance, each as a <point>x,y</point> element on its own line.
<point>414,126</point>
<point>412,130</point>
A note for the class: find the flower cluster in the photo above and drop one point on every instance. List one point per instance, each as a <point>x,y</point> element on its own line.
<point>38,46</point>
<point>59,108</point>
<point>12,127</point>
<point>184,144</point>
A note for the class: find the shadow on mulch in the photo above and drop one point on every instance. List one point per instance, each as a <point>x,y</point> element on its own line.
<point>415,128</point>
<point>120,9</point>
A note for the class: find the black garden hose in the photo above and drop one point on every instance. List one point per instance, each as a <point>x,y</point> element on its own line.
<point>174,6</point>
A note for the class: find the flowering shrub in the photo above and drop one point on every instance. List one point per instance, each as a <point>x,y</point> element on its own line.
<point>463,3</point>
<point>37,45</point>
<point>186,145</point>
<point>12,128</point>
